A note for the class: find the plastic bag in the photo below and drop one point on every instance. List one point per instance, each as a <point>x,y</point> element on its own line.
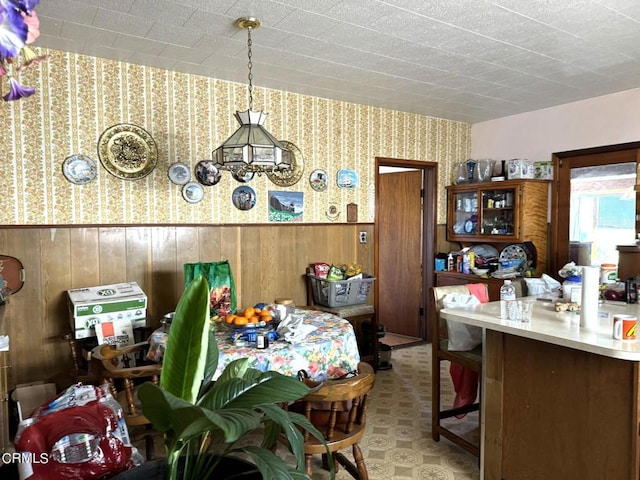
<point>462,337</point>
<point>221,285</point>
<point>80,434</point>
<point>542,285</point>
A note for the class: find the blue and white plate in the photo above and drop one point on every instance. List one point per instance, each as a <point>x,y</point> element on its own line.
<point>79,169</point>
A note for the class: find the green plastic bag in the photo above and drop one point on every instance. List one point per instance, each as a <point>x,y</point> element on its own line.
<point>222,289</point>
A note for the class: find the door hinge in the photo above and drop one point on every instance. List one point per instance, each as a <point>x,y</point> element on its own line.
<point>421,311</point>
<point>422,193</point>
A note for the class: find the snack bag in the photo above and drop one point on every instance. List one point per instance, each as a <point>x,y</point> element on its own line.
<point>221,285</point>
<point>79,434</point>
<point>335,273</point>
<point>352,269</point>
<point>321,270</point>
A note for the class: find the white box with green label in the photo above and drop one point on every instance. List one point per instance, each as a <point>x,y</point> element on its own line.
<point>92,305</point>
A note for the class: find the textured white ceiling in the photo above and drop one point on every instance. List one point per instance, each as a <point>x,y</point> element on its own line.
<point>466,60</point>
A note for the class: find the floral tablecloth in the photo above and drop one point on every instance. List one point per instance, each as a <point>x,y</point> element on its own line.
<point>329,351</point>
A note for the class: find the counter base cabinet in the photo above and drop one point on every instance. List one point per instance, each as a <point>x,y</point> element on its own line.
<point>553,412</point>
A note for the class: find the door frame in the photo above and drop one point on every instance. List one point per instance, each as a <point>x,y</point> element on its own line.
<point>429,217</point>
<point>559,234</point>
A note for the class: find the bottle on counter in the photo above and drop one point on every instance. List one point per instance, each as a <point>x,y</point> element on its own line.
<point>507,295</point>
<point>572,289</point>
<point>450,262</point>
<point>466,264</point>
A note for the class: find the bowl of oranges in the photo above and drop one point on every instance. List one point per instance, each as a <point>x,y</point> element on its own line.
<point>251,317</point>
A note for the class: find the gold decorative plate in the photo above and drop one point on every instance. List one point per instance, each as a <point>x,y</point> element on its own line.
<point>127,151</point>
<point>286,178</point>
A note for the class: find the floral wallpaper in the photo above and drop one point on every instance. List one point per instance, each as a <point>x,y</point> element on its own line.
<point>78,97</point>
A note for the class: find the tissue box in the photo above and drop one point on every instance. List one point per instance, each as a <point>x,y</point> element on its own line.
<point>543,170</point>
<point>92,305</point>
<point>519,168</point>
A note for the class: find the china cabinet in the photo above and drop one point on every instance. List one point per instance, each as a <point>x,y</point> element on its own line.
<point>511,211</point>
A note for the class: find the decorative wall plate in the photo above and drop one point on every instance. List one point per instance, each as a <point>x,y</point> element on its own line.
<point>12,274</point>
<point>192,192</point>
<point>179,173</point>
<point>291,176</point>
<point>127,151</point>
<point>79,169</point>
<point>244,197</point>
<point>207,173</point>
<point>243,178</point>
<point>319,180</point>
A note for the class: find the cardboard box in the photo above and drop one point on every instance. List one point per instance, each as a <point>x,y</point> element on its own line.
<point>543,170</point>
<point>120,334</point>
<point>519,168</point>
<point>92,305</point>
<point>29,396</point>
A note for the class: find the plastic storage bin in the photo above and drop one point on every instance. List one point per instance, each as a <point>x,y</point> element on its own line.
<point>341,293</point>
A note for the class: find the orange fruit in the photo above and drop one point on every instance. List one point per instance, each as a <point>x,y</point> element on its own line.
<point>264,313</point>
<point>230,318</point>
<point>266,318</point>
<point>254,319</point>
<point>249,312</point>
<point>240,321</point>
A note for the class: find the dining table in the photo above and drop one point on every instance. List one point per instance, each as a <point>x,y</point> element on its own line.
<point>559,400</point>
<point>328,350</point>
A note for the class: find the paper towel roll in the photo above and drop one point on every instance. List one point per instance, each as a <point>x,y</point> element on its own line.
<point>590,294</point>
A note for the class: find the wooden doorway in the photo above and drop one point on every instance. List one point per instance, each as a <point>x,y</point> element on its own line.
<point>404,245</point>
<point>561,246</point>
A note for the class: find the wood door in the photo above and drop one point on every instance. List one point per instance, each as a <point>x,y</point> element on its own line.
<point>400,241</point>
<point>564,162</point>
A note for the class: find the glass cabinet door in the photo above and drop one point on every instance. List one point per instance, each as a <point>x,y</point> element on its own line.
<point>465,220</point>
<point>498,207</point>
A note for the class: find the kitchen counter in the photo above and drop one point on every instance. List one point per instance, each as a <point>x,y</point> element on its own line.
<point>558,328</point>
<point>558,401</point>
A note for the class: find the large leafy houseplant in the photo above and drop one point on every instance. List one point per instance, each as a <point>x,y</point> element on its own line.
<point>204,422</point>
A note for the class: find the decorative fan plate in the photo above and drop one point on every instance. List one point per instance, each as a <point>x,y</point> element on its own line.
<point>127,151</point>
<point>293,175</point>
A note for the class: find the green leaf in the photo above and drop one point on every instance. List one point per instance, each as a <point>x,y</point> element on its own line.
<point>266,387</point>
<point>185,357</point>
<point>234,423</point>
<point>271,466</point>
<point>211,363</point>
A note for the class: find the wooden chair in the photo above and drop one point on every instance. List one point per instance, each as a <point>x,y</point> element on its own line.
<point>356,315</point>
<point>338,409</point>
<point>122,382</point>
<point>471,360</point>
<point>83,370</point>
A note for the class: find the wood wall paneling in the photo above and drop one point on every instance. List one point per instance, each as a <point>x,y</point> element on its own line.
<point>268,261</point>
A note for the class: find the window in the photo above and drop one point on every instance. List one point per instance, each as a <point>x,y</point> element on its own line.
<point>603,208</point>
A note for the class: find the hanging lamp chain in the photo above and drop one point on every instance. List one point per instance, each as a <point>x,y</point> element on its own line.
<point>250,65</point>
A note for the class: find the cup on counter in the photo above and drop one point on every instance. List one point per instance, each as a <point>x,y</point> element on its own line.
<point>520,310</point>
<point>527,310</point>
<point>624,326</point>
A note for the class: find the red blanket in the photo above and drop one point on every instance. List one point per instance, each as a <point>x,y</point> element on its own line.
<point>465,381</point>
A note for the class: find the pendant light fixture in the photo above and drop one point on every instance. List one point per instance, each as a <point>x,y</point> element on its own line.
<point>251,148</point>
